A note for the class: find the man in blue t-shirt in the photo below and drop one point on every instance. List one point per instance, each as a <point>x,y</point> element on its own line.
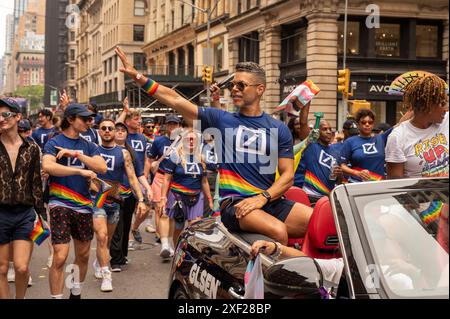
<point>252,144</point>
<point>316,165</point>
<point>46,130</point>
<point>71,162</point>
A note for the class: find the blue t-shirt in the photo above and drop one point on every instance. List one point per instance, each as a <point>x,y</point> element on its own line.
<point>138,143</point>
<point>315,168</point>
<point>90,135</point>
<point>115,163</point>
<point>70,191</point>
<point>248,149</point>
<point>158,148</point>
<point>366,153</point>
<point>210,157</point>
<point>187,178</point>
<point>41,135</point>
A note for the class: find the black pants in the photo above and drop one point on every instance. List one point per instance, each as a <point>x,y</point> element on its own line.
<point>119,241</point>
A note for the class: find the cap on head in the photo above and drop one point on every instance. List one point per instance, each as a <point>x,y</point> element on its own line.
<point>382,127</point>
<point>172,118</point>
<point>148,121</point>
<point>11,104</point>
<point>121,124</point>
<point>24,125</point>
<point>75,109</point>
<point>351,126</point>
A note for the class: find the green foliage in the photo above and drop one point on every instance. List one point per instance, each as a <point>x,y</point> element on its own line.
<point>34,94</point>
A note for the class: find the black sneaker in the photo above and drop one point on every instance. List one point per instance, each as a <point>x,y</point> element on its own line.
<point>158,240</point>
<point>116,268</point>
<point>74,296</point>
<point>137,235</point>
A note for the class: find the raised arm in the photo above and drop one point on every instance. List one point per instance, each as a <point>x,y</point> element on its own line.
<point>126,109</point>
<point>303,117</point>
<point>163,94</point>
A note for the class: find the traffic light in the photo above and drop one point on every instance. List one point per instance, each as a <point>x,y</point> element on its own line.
<point>344,83</point>
<point>356,105</point>
<point>207,72</point>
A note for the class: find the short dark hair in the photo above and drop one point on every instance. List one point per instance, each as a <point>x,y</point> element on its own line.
<point>65,124</point>
<point>254,68</point>
<point>107,120</point>
<point>46,113</point>
<point>362,113</point>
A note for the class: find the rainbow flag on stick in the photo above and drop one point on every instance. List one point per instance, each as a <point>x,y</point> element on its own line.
<point>103,189</point>
<point>305,92</point>
<point>40,231</point>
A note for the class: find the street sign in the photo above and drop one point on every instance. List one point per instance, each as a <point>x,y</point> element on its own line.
<point>53,98</point>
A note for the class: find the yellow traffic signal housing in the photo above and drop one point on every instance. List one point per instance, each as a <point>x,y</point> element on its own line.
<point>356,105</point>
<point>207,73</point>
<point>204,74</point>
<point>344,83</point>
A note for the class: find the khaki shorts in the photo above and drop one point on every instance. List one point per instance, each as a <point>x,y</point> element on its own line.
<point>156,187</point>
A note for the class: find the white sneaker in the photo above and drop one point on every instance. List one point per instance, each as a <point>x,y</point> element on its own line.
<point>11,274</point>
<point>132,245</point>
<point>30,281</point>
<point>50,261</point>
<point>150,229</point>
<point>97,270</point>
<point>165,252</point>
<point>106,282</point>
<point>172,252</point>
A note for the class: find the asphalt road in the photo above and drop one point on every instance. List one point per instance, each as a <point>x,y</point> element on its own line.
<point>145,277</point>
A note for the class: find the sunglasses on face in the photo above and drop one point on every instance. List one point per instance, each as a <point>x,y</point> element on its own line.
<point>107,128</point>
<point>366,122</point>
<point>240,85</point>
<point>149,127</point>
<point>7,115</point>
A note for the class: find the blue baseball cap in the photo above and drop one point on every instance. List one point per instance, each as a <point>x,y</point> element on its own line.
<point>11,103</point>
<point>173,118</point>
<point>24,125</point>
<point>77,109</point>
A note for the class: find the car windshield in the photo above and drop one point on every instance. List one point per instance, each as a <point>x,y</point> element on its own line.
<point>408,237</point>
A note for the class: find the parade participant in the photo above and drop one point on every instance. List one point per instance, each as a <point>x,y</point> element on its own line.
<point>185,176</point>
<point>318,167</point>
<point>381,128</point>
<point>155,153</point>
<point>119,163</point>
<point>41,135</point>
<point>364,152</point>
<point>148,130</point>
<point>91,134</point>
<point>20,197</point>
<point>119,242</point>
<point>24,128</point>
<point>299,125</point>
<point>419,147</point>
<point>71,162</point>
<point>252,198</point>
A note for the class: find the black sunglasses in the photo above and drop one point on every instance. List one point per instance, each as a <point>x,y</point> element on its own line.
<point>240,85</point>
<point>151,126</point>
<point>107,128</point>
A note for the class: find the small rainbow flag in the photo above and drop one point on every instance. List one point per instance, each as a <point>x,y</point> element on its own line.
<point>433,212</point>
<point>40,231</point>
<point>102,193</point>
<point>124,191</point>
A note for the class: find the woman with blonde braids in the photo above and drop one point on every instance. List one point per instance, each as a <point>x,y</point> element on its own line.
<point>181,193</point>
<point>419,147</point>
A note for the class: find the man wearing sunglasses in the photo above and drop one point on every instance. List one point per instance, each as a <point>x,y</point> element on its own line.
<point>20,197</point>
<point>72,162</point>
<point>251,197</point>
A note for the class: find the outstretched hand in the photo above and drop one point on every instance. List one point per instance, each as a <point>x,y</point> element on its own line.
<point>126,68</point>
<point>64,99</point>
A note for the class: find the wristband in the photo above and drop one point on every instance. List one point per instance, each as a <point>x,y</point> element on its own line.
<point>150,87</point>
<point>163,197</point>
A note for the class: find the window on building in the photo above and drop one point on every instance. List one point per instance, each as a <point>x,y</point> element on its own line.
<point>115,63</point>
<point>139,8</point>
<point>387,40</point>
<point>72,35</point>
<point>352,37</point>
<point>218,56</point>
<point>427,41</point>
<point>172,14</point>
<point>72,54</point>
<point>193,10</point>
<point>105,67</point>
<point>105,87</point>
<point>249,47</point>
<point>110,65</point>
<point>72,73</point>
<point>115,84</point>
<point>139,61</point>
<point>138,33</point>
<point>249,4</point>
<point>182,14</point>
<point>294,44</point>
<point>110,85</point>
<point>239,7</point>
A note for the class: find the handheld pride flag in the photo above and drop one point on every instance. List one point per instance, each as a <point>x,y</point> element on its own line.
<point>305,92</point>
<point>40,231</point>
<point>103,189</point>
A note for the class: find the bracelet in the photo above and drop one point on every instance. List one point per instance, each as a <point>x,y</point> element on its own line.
<point>150,87</point>
<point>278,251</point>
<point>163,197</point>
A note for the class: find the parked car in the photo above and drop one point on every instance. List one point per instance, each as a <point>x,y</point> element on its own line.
<point>391,236</point>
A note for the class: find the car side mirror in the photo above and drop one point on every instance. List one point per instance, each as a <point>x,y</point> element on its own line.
<point>299,277</point>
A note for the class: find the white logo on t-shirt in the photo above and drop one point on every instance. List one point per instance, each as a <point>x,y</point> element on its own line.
<point>137,145</point>
<point>192,168</point>
<point>43,136</point>
<point>75,162</point>
<point>211,157</point>
<point>251,141</point>
<point>87,138</point>
<point>110,161</point>
<point>325,159</point>
<point>369,148</point>
<point>166,151</point>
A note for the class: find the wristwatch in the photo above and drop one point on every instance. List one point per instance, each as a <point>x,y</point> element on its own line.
<point>141,200</point>
<point>266,196</point>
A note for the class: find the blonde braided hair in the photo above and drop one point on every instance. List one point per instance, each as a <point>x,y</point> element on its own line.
<point>424,93</point>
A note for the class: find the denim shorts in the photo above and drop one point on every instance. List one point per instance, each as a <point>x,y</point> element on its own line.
<point>16,223</point>
<point>112,213</point>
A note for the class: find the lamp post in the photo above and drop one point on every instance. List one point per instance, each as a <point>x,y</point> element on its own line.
<point>208,11</point>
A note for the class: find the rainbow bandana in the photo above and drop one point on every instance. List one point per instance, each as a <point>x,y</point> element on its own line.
<point>312,180</point>
<point>373,176</point>
<point>433,212</point>
<point>178,188</point>
<point>68,196</point>
<point>40,231</point>
<point>102,193</point>
<point>231,184</point>
<point>150,138</point>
